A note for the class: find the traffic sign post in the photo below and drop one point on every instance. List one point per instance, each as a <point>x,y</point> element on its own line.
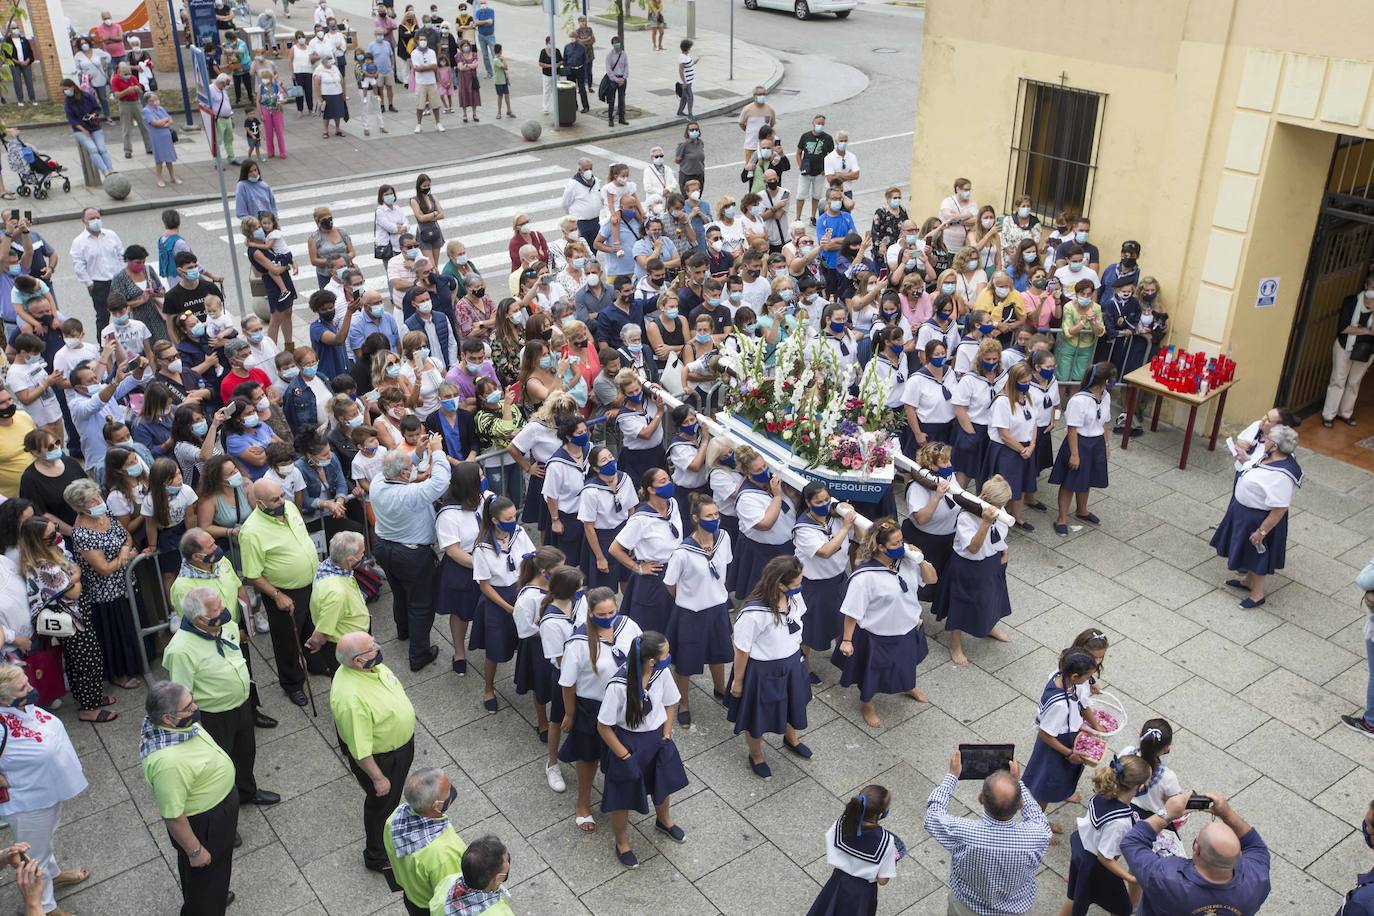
<point>207,119</point>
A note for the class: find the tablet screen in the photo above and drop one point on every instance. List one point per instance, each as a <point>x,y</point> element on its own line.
<point>981,760</point>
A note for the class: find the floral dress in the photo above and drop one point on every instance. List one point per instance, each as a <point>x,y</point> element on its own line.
<point>81,655</point>
<point>104,601</point>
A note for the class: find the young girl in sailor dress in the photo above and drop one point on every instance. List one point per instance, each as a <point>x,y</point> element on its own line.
<point>640,760</point>
<point>1081,463</point>
<point>973,399</point>
<point>1011,440</point>
<point>641,427</point>
<point>1156,740</point>
<point>502,546</point>
<point>978,330</point>
<point>1045,400</point>
<point>1097,873</point>
<point>607,498</point>
<point>769,690</point>
<point>821,538</point>
<point>562,609</point>
<point>532,674</point>
<point>687,458</point>
<point>1054,768</point>
<point>889,361</point>
<point>456,527</point>
<point>644,546</point>
<point>932,514</point>
<point>699,623</point>
<point>934,328</point>
<point>972,594</point>
<point>725,483</point>
<point>862,854</point>
<point>565,473</point>
<point>531,448</point>
<point>928,400</point>
<point>884,639</point>
<point>766,521</point>
<point>591,656</point>
<point>836,335</point>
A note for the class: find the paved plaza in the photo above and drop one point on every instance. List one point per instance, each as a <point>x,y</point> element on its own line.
<point>1254,697</point>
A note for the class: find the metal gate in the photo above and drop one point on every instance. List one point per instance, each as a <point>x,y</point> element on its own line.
<point>1341,255</point>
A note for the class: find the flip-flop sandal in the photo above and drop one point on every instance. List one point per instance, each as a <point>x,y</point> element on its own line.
<point>101,717</point>
<point>69,876</point>
<point>585,824</point>
<point>8,195</point>
<point>132,683</point>
<point>109,700</point>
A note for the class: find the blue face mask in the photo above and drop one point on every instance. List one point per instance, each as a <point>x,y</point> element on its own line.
<point>1047,374</point>
<point>634,398</point>
<point>664,663</point>
<point>581,439</point>
<point>820,511</point>
<point>200,427</point>
<point>309,371</point>
<point>449,404</point>
<point>937,361</point>
<point>728,461</point>
<point>608,469</point>
<point>705,338</point>
<point>548,362</point>
<point>942,317</point>
<point>986,329</point>
<point>896,348</point>
<point>761,478</point>
<point>989,365</point>
<point>667,491</point>
<point>947,471</point>
<point>838,327</point>
<point>794,592</point>
<point>193,273</point>
<point>494,396</point>
<point>508,527</point>
<point>198,329</point>
<point>605,623</point>
<point>895,553</point>
<point>373,662</point>
<point>255,337</point>
<point>947,289</point>
<point>1023,386</point>
<point>688,429</point>
<point>709,525</point>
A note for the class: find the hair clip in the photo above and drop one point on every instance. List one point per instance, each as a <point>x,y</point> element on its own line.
<point>1117,768</point>
<point>1152,733</point>
<point>526,556</point>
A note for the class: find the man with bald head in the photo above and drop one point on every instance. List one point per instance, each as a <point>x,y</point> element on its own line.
<point>279,560</point>
<point>1228,873</point>
<point>992,858</point>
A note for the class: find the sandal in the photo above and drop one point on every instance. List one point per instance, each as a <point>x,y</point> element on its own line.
<point>70,876</point>
<point>109,700</point>
<point>8,195</point>
<point>101,716</point>
<point>585,824</point>
<point>131,683</point>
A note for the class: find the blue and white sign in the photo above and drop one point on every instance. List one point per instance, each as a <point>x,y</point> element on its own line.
<point>202,73</point>
<point>1268,293</point>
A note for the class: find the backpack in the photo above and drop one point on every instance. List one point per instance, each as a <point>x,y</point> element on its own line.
<point>166,257</point>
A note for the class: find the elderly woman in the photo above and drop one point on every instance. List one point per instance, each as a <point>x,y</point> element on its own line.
<point>41,772</point>
<point>1253,535</point>
<point>1003,304</point>
<point>329,88</point>
<point>158,125</point>
<point>103,551</point>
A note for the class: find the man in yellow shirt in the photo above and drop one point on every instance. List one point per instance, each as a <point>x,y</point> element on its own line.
<point>279,561</point>
<point>477,890</point>
<point>193,783</point>
<point>15,424</point>
<point>204,657</point>
<point>337,606</point>
<point>421,844</point>
<point>203,563</point>
<point>376,726</point>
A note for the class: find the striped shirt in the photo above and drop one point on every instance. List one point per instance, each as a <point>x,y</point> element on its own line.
<point>689,69</point>
<point>992,864</point>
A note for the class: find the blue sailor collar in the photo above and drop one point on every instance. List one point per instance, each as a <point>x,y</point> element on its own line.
<point>869,846</point>
<point>563,457</point>
<point>1103,810</point>
<point>1289,467</point>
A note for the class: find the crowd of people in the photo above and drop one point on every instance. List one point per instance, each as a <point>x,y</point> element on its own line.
<point>524,453</point>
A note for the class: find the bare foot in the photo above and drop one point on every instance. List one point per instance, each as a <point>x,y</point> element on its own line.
<point>1054,840</point>
<point>871,716</point>
<point>1055,828</point>
<point>918,696</point>
<point>999,635</point>
<point>1074,799</point>
<point>960,659</point>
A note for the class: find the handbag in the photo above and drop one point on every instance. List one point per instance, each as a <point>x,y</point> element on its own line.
<point>603,88</point>
<point>1363,349</point>
<point>45,673</point>
<point>295,92</point>
<point>429,233</point>
<point>55,623</point>
<point>476,83</point>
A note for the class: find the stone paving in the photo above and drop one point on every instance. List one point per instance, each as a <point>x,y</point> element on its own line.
<point>1254,698</point>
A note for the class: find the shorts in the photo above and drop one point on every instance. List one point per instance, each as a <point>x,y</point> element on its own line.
<point>426,95</point>
<point>810,187</point>
<point>502,89</point>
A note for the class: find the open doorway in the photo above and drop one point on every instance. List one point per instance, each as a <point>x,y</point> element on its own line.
<point>1341,255</point>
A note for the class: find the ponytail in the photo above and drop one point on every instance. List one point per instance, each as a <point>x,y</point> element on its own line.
<point>563,585</point>
<point>646,645</point>
<point>1155,736</point>
<point>540,561</point>
<point>867,806</point>
<point>1120,774</point>
<point>493,508</point>
<point>594,597</point>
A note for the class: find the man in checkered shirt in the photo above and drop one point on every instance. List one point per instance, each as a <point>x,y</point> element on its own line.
<point>992,858</point>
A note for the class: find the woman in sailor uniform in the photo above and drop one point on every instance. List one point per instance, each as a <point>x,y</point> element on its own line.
<point>558,613</point>
<point>929,526</point>
<point>641,426</point>
<point>565,473</point>
<point>687,459</point>
<point>1011,440</point>
<point>532,447</point>
<point>928,400</point>
<point>1248,447</point>
<point>587,665</point>
<point>863,855</point>
<point>821,538</point>
<point>699,623</point>
<point>644,546</point>
<point>455,529</point>
<point>890,363</point>
<point>972,401</point>
<point>1097,874</point>
<point>640,759</point>
<point>531,672</point>
<point>970,347</point>
<point>1045,400</point>
<point>768,685</point>
<point>884,639</point>
<point>836,335</point>
<point>972,594</point>
<point>765,520</point>
<point>1053,770</point>
<point>1156,740</point>
<point>939,326</point>
<point>502,547</point>
<point>1253,535</point>
<point>1082,460</point>
<point>607,498</point>
<point>725,482</point>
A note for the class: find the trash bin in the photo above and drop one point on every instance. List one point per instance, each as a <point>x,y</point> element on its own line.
<point>567,103</point>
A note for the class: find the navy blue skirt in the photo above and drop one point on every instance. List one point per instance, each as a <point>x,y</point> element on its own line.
<point>1091,883</point>
<point>774,696</point>
<point>493,629</point>
<point>936,547</point>
<point>823,623</point>
<point>583,744</point>
<point>458,593</point>
<point>572,539</point>
<point>536,511</point>
<point>730,525</point>
<point>699,638</point>
<point>972,594</point>
<point>752,557</point>
<point>1049,776</point>
<point>1019,472</point>
<point>882,664</point>
<point>1092,465</point>
<point>970,449</point>
<point>616,573</point>
<point>653,769</point>
<point>1232,540</point>
<point>635,461</point>
<point>536,674</point>
<point>846,895</point>
<point>935,432</point>
<point>647,602</point>
<point>1044,450</point>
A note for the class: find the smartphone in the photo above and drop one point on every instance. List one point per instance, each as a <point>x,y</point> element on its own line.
<point>28,215</point>
<point>356,295</point>
<point>1197,802</point>
<point>982,760</point>
<point>231,408</point>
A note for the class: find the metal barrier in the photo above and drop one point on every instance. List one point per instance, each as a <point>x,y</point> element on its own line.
<point>131,596</point>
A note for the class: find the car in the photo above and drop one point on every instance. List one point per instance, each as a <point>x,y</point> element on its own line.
<point>805,9</point>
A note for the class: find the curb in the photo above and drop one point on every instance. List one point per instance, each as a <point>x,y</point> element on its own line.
<point>641,127</point>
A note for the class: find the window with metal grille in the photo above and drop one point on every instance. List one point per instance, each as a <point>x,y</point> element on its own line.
<point>1054,143</point>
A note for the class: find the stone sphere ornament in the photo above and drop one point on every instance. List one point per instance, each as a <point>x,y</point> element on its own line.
<point>531,130</point>
<point>117,186</point>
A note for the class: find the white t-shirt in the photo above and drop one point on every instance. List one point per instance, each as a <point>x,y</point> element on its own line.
<point>121,506</point>
<point>67,359</point>
<point>942,519</point>
<point>263,355</point>
<point>763,638</point>
<point>536,442</point>
<point>424,58</point>
<point>632,421</point>
<point>1105,825</point>
<point>725,487</point>
<point>455,525</point>
<point>366,467</point>
<point>292,482</point>
<point>577,670</point>
<point>1069,278</point>
<point>837,162</point>
<point>966,527</point>
<point>130,336</point>
<point>662,692</point>
<point>44,408</point>
<point>1163,784</point>
<point>1045,400</point>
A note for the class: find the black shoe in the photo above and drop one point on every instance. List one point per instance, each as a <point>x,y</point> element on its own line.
<point>379,867</point>
<point>460,666</point>
<point>1137,431</point>
<point>391,108</point>
<point>623,121</point>
<point>429,658</point>
<point>263,798</point>
<point>297,696</point>
<point>238,839</point>
<point>263,720</point>
<point>229,899</point>
<point>403,636</point>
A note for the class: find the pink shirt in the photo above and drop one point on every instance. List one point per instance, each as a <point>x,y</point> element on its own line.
<point>1039,306</point>
<point>919,310</point>
<point>113,37</point>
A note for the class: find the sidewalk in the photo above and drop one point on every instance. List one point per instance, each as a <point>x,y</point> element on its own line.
<point>651,103</point>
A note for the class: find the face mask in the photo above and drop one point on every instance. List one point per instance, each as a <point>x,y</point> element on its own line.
<point>309,371</point>
<point>1001,291</point>
<point>989,365</point>
<point>72,342</point>
<point>136,470</point>
<point>689,429</point>
<point>608,469</point>
<point>634,398</point>
<point>667,491</point>
<point>548,362</point>
<point>508,527</point>
<point>896,348</point>
<point>251,421</point>
<point>1080,237</point>
<point>354,422</point>
<point>198,329</point>
<point>1023,386</point>
<point>606,623</point>
<point>423,44</point>
<point>373,662</point>
<point>694,134</point>
<point>985,329</point>
<point>54,453</point>
<point>946,472</point>
<point>895,553</point>
<point>664,662</point>
<point>966,193</point>
<point>188,721</point>
<point>1075,266</point>
<point>635,348</point>
<point>375,311</point>
<point>765,154</point>
<point>834,206</point>
<point>412,254</point>
<point>937,361</point>
<point>1084,301</point>
<point>987,222</point>
<point>120,320</point>
<point>290,374</point>
<point>1047,374</point>
<point>581,439</point>
<point>761,478</point>
<point>947,289</point>
<point>841,144</point>
<point>838,327</point>
<point>1023,212</point>
<point>255,337</point>
<point>1041,283</point>
<point>200,427</point>
<point>730,212</point>
<point>755,210</point>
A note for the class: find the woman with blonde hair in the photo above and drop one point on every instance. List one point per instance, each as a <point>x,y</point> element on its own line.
<point>1012,433</point>
<point>1003,303</point>
<point>731,226</point>
<point>973,398</point>
<point>969,276</point>
<point>972,595</point>
<point>1097,874</point>
<point>423,371</point>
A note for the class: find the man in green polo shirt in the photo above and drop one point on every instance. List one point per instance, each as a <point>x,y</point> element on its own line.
<point>203,563</point>
<point>477,889</point>
<point>336,603</point>
<point>376,726</point>
<point>193,783</point>
<point>204,657</point>
<point>279,561</point>
<point>421,844</point>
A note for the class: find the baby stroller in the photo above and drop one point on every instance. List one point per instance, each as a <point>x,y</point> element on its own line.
<point>36,171</point>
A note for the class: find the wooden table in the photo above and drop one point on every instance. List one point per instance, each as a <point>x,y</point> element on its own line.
<point>1141,380</point>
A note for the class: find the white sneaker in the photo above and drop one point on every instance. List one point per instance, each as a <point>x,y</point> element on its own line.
<point>555,778</point>
<point>439,128</point>
<point>260,622</point>
<point>417,128</point>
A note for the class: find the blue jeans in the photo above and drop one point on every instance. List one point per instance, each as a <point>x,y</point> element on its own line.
<point>486,42</point>
<point>1369,686</point>
<point>95,146</point>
